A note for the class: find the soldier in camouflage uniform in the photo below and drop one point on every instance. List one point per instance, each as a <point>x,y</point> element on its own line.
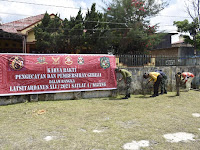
<point>127,76</point>
<point>178,83</point>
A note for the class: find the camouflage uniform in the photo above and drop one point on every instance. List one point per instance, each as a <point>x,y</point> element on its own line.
<point>127,76</point>
<point>178,82</point>
<point>128,85</point>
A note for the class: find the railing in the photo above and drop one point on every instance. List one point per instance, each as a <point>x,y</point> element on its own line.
<point>149,60</point>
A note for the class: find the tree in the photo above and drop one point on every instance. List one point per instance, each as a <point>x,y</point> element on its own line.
<point>193,10</point>
<point>95,28</point>
<point>73,32</point>
<point>192,28</point>
<point>124,27</point>
<point>130,24</point>
<point>49,35</point>
<point>85,34</point>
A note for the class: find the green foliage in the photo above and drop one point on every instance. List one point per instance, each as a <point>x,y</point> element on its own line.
<point>49,35</point>
<point>73,33</point>
<point>84,34</point>
<point>192,28</point>
<point>130,19</point>
<point>123,28</point>
<point>95,31</point>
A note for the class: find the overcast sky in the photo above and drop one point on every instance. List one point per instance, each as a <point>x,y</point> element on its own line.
<point>11,10</point>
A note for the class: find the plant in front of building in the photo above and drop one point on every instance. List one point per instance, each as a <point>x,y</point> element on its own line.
<point>49,35</point>
<point>130,24</point>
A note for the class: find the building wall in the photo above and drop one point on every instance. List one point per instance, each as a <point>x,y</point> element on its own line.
<point>139,82</point>
<point>10,46</point>
<point>186,51</point>
<point>30,28</point>
<point>29,31</point>
<point>165,43</point>
<point>31,36</point>
<point>173,51</point>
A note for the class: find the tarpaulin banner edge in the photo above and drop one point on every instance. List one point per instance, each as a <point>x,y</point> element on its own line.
<point>55,92</point>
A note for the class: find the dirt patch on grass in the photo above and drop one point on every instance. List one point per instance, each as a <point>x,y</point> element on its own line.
<point>196,115</point>
<point>128,124</point>
<point>136,145</point>
<point>179,137</point>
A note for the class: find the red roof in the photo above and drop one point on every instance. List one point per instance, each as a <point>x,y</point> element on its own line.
<point>21,24</point>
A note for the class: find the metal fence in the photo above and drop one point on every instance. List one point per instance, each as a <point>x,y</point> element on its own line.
<point>149,60</point>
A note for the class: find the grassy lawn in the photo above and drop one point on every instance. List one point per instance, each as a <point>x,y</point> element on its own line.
<point>101,124</point>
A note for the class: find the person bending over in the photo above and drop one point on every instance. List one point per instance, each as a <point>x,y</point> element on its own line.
<point>156,77</point>
<point>127,76</point>
<point>186,78</point>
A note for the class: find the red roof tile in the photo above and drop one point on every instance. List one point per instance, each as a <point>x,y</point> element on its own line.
<point>21,24</point>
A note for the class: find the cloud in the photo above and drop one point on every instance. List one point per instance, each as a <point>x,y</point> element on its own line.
<point>11,11</point>
<point>174,12</point>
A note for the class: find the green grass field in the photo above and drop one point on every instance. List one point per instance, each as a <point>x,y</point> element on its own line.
<point>101,124</point>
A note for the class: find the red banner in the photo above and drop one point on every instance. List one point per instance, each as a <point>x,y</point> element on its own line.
<point>53,73</point>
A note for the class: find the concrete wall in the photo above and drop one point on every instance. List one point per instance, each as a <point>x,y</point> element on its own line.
<point>173,51</point>
<point>7,100</point>
<point>138,86</point>
<point>186,51</point>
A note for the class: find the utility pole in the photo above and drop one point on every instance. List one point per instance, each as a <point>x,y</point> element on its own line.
<point>24,44</point>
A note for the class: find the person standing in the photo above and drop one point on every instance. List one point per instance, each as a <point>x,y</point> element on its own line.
<point>156,77</point>
<point>178,82</point>
<point>163,82</point>
<point>127,77</point>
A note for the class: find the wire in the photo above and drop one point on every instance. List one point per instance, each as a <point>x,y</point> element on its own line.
<point>172,16</point>
<point>71,29</point>
<point>77,20</point>
<point>75,8</point>
<point>15,14</point>
<point>116,36</point>
<point>41,4</point>
<point>17,26</point>
<point>79,8</point>
<point>116,23</point>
